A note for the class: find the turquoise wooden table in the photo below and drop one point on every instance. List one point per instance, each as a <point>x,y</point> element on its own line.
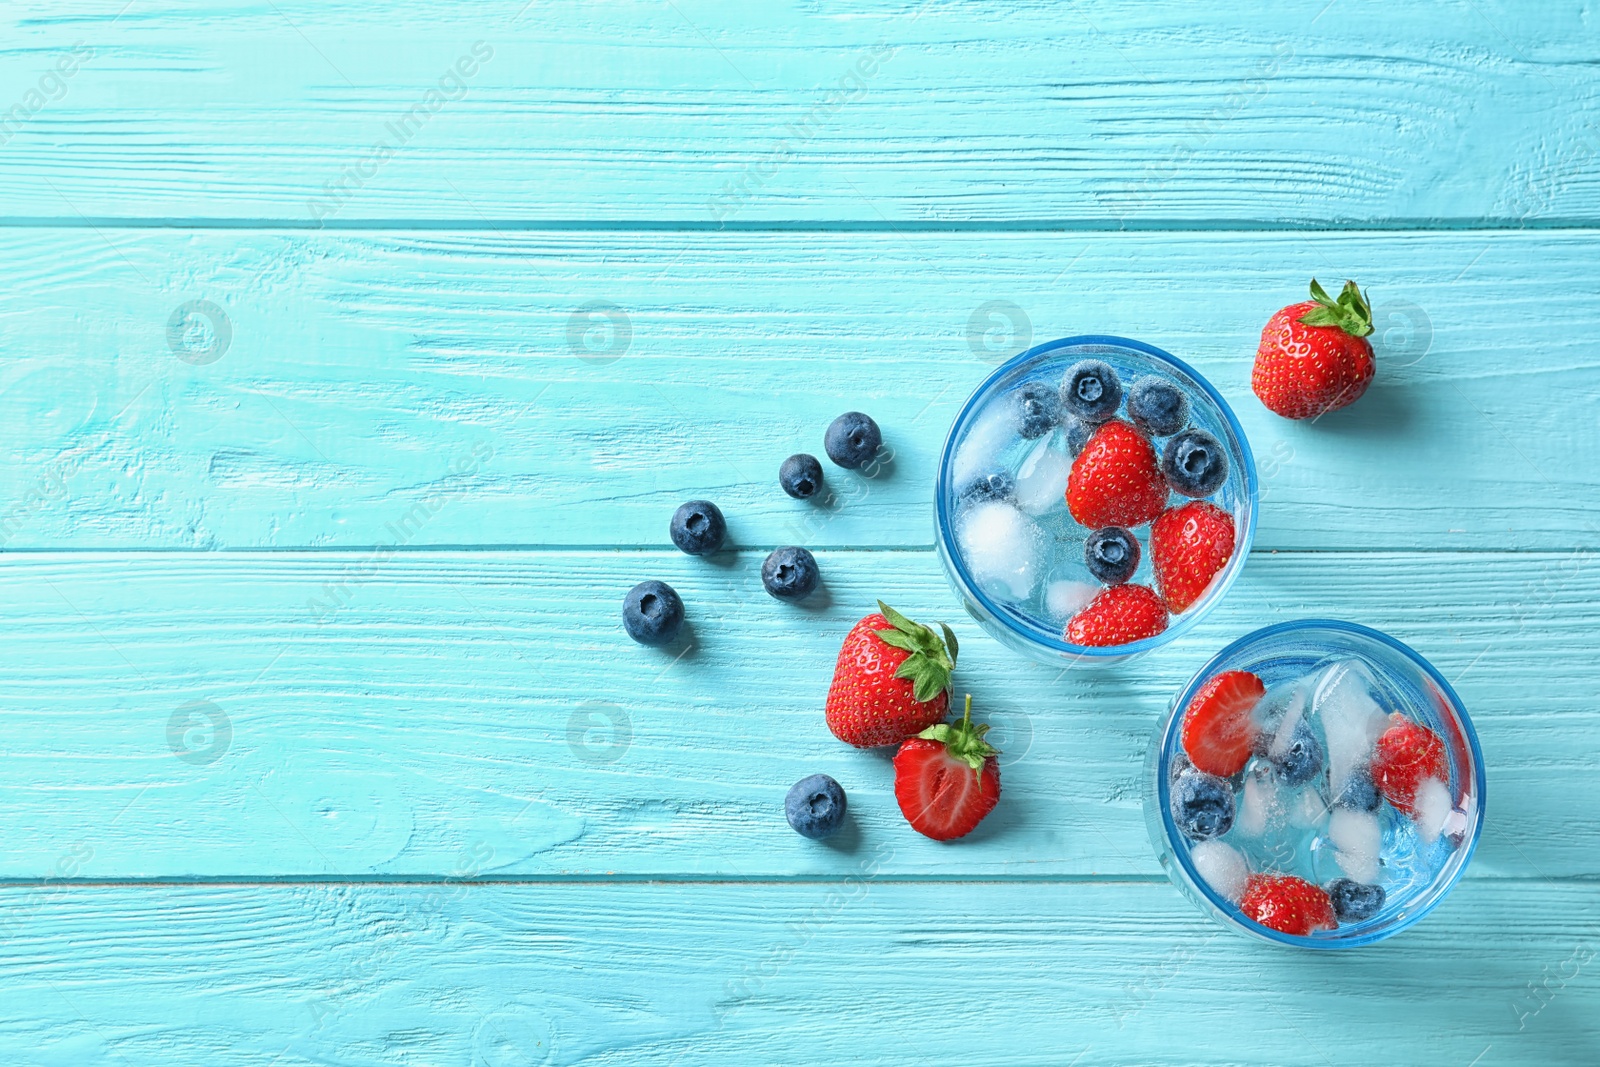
<point>355,355</point>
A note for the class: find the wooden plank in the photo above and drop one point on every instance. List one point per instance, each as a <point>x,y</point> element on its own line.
<point>451,388</point>
<point>715,112</point>
<point>775,973</point>
<point>173,715</point>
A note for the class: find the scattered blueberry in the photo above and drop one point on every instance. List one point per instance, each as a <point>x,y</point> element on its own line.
<point>815,806</point>
<point>790,573</point>
<point>1036,408</point>
<point>1202,805</point>
<point>1298,761</point>
<point>1354,901</point>
<point>652,613</point>
<point>1176,766</point>
<point>800,476</point>
<point>1091,391</point>
<point>852,440</point>
<point>1359,793</point>
<point>1112,554</point>
<point>1078,433</point>
<point>992,485</point>
<point>698,527</point>
<point>1194,463</point>
<point>1157,407</point>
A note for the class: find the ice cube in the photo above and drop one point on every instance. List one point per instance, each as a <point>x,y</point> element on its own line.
<point>1461,817</point>
<point>1065,598</point>
<point>1260,806</point>
<point>1272,709</point>
<point>1306,808</point>
<point>1359,839</point>
<point>1222,867</point>
<point>1293,713</point>
<point>1433,809</point>
<point>1001,547</point>
<point>1042,478</point>
<point>1352,720</point>
<point>993,431</point>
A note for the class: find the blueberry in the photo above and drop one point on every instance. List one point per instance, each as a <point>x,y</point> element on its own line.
<point>1297,762</point>
<point>698,527</point>
<point>1359,793</point>
<point>1112,554</point>
<point>1091,391</point>
<point>1157,407</point>
<point>800,476</point>
<point>790,573</point>
<point>1353,901</point>
<point>992,485</point>
<point>1194,463</point>
<point>1078,433</point>
<point>852,440</point>
<point>815,806</point>
<point>1202,805</point>
<point>1176,765</point>
<point>1036,408</point>
<point>652,613</point>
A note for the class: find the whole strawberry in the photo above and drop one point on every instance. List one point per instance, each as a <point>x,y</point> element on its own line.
<point>1314,356</point>
<point>1189,544</point>
<point>946,779</point>
<point>1117,616</point>
<point>891,681</point>
<point>1115,481</point>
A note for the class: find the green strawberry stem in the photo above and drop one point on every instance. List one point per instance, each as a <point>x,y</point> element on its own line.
<point>963,740</point>
<point>932,661</point>
<point>1351,312</point>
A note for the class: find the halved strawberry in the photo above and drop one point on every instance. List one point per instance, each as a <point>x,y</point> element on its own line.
<point>1117,616</point>
<point>1217,732</point>
<point>1287,904</point>
<point>1407,755</point>
<point>1115,481</point>
<point>1189,545</point>
<point>947,779</point>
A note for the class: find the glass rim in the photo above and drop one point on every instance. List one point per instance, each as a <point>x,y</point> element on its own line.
<point>1245,537</point>
<point>1229,911</point>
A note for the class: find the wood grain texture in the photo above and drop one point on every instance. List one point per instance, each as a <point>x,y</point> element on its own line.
<point>383,783</point>
<point>482,714</point>
<point>508,976</point>
<point>713,112</point>
<point>435,389</point>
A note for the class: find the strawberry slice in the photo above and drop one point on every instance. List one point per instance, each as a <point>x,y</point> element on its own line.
<point>1217,732</point>
<point>1407,755</point>
<point>947,779</point>
<point>1117,616</point>
<point>1189,544</point>
<point>1287,904</point>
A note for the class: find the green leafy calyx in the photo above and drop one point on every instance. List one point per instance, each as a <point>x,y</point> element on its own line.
<point>1351,312</point>
<point>963,740</point>
<point>932,660</point>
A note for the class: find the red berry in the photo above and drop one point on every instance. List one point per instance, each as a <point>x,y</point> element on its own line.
<point>1189,545</point>
<point>1217,731</point>
<point>1314,357</point>
<point>891,680</point>
<point>1115,481</point>
<point>947,779</point>
<point>1117,616</point>
<point>1407,755</point>
<point>1287,904</point>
